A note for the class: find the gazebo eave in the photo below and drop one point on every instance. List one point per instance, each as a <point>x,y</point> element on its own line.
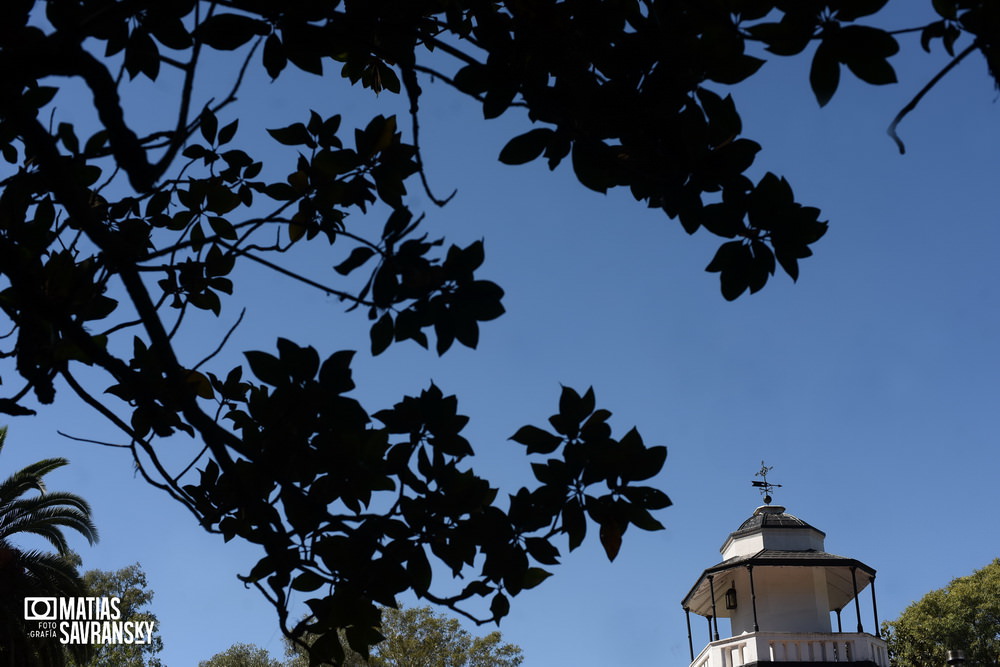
<point>720,576</point>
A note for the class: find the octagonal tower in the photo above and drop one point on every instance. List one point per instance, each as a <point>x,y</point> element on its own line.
<point>778,587</point>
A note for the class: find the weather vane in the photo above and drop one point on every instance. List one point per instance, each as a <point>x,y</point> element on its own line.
<point>766,488</point>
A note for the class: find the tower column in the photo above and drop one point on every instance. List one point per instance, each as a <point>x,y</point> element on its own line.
<point>878,632</point>
<point>687,617</point>
<point>753,599</point>
<point>857,604</point>
<point>715,616</point>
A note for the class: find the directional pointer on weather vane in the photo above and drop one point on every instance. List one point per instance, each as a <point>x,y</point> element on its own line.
<point>766,488</point>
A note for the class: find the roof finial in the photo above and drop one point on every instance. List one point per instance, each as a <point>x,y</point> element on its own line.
<point>766,488</point>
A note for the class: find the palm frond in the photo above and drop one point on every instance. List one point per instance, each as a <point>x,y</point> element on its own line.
<point>36,573</point>
<point>29,478</point>
<point>48,523</point>
<point>46,501</point>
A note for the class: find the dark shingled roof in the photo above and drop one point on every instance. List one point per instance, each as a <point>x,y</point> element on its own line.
<point>777,558</point>
<point>779,519</point>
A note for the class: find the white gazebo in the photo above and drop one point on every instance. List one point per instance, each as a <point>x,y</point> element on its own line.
<point>778,587</point>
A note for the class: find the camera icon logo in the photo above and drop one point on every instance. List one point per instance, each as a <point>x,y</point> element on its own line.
<point>40,609</point>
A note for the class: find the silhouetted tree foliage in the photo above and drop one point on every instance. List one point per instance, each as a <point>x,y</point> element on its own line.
<point>111,241</point>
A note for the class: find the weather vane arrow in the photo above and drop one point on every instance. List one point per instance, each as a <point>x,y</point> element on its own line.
<point>766,488</point>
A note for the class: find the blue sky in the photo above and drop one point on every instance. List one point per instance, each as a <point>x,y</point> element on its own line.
<point>870,385</point>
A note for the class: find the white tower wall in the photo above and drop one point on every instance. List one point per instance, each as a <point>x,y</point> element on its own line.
<point>796,601</point>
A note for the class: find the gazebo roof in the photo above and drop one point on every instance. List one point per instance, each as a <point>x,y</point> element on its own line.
<point>775,518</point>
<point>840,584</point>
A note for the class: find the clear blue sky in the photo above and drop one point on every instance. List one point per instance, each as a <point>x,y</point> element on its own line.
<point>871,385</point>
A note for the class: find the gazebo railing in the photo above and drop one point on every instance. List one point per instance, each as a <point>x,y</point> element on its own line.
<point>793,647</point>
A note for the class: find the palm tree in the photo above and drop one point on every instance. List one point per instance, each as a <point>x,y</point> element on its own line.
<point>26,573</point>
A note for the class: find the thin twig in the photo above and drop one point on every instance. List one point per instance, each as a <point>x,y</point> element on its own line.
<point>451,50</point>
<point>222,344</point>
<point>903,31</point>
<point>923,91</point>
<point>451,603</point>
<point>92,442</point>
<point>118,422</point>
<point>182,311</point>
<point>451,82</point>
<point>168,487</point>
<point>413,93</point>
<point>295,276</point>
<point>195,460</point>
<point>119,327</point>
